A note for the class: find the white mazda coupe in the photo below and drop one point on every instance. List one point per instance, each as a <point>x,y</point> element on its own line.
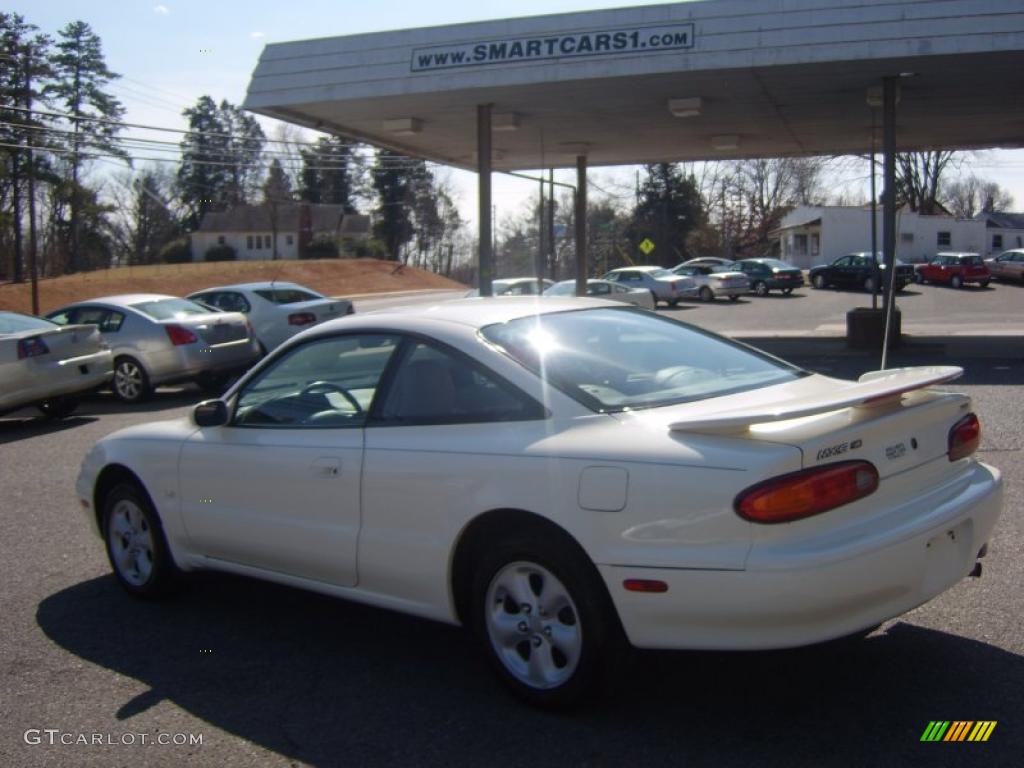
<point>560,476</point>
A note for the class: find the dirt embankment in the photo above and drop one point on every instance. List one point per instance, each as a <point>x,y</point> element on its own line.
<point>332,277</point>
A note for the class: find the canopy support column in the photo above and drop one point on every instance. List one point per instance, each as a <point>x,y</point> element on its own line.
<point>581,225</point>
<point>485,268</point>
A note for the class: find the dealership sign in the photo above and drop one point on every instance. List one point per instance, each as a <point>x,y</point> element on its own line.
<point>614,42</point>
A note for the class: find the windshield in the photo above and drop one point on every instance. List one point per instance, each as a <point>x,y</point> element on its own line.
<point>170,309</point>
<point>14,322</point>
<point>618,359</point>
<point>776,264</point>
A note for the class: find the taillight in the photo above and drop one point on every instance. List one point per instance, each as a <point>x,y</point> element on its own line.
<point>32,348</point>
<point>964,437</point>
<point>179,335</point>
<point>301,318</point>
<point>807,492</point>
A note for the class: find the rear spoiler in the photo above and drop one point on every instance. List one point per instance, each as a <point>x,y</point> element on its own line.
<point>870,390</point>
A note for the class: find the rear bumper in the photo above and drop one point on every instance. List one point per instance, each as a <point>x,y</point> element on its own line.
<point>834,594</point>
<point>190,361</point>
<point>72,376</point>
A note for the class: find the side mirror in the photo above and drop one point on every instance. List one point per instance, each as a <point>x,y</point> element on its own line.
<point>210,413</point>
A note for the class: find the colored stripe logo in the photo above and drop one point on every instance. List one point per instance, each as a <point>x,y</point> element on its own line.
<point>958,730</point>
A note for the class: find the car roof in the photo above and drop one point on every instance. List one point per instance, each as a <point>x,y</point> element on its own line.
<point>639,267</point>
<point>122,299</point>
<point>254,286</point>
<point>475,312</point>
<point>957,253</point>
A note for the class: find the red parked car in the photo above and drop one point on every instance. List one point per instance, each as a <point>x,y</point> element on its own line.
<point>955,269</point>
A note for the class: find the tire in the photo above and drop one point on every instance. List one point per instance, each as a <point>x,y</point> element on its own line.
<point>706,294</point>
<point>674,303</point>
<point>983,284</point>
<point>761,288</point>
<point>869,284</point>
<point>786,291</point>
<point>956,282</point>
<point>58,407</point>
<point>548,659</point>
<point>818,281</point>
<point>900,287</point>
<point>918,278</point>
<point>135,542</point>
<point>734,297</point>
<point>131,382</point>
<point>655,297</point>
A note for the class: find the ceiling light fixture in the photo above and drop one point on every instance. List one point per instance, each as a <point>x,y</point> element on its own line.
<point>725,142</point>
<point>689,107</point>
<point>404,126</point>
<point>505,122</point>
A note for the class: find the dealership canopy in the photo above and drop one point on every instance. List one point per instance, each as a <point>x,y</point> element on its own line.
<point>686,81</point>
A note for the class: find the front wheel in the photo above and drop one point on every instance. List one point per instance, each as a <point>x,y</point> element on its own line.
<point>135,541</point>
<point>919,278</point>
<point>542,616</point>
<point>734,297</point>
<point>983,284</point>
<point>869,284</point>
<point>654,296</point>
<point>706,294</point>
<point>786,291</point>
<point>674,303</point>
<point>956,281</point>
<point>818,281</point>
<point>761,288</point>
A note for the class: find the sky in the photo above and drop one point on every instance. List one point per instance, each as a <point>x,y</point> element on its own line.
<point>169,53</point>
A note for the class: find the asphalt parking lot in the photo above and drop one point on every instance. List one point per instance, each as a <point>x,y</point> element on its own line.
<point>269,676</point>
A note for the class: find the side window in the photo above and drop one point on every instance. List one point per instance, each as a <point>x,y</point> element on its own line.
<point>67,317</point>
<point>233,302</point>
<point>845,261</point>
<point>108,320</point>
<point>434,386</point>
<point>601,289</point>
<point>325,383</point>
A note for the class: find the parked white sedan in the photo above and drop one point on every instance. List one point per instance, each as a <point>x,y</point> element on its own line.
<point>49,366</point>
<point>605,289</point>
<point>559,476</point>
<point>277,310</point>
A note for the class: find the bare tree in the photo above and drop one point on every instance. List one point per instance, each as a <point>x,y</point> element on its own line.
<point>919,179</point>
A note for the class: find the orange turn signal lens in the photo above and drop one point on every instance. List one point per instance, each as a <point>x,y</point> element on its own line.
<point>807,492</point>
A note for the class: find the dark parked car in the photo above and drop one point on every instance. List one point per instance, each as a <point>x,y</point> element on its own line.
<point>856,270</point>
<point>770,275</point>
<point>954,269</point>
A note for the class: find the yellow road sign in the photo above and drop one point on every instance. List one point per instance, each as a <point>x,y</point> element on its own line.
<point>647,245</point>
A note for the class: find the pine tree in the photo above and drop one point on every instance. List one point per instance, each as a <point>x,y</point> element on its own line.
<point>393,179</point>
<point>80,76</point>
<point>329,173</point>
<point>669,208</point>
<point>277,191</point>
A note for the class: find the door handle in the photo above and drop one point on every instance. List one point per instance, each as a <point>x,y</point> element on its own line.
<point>326,467</point>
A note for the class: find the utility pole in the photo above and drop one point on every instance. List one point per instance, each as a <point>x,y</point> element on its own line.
<point>33,273</point>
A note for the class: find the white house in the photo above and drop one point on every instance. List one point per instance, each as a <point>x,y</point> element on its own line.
<point>1003,231</point>
<point>249,229</point>
<point>810,235</point>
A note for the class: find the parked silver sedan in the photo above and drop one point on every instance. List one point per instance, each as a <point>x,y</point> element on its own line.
<point>49,366</point>
<point>605,289</point>
<point>277,310</point>
<point>659,282</point>
<point>1008,265</point>
<point>159,339</point>
<point>715,281</point>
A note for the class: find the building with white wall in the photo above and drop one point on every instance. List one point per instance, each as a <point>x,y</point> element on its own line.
<point>1003,231</point>
<point>810,235</point>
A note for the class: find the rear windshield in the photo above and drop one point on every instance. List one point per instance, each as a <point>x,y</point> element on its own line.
<point>170,309</point>
<point>618,359</point>
<point>776,264</point>
<point>973,259</point>
<point>13,322</point>
<point>286,295</point>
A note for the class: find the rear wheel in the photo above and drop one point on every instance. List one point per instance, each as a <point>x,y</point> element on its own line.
<point>734,297</point>
<point>818,281</point>
<point>919,278</point>
<point>58,407</point>
<point>131,382</point>
<point>706,294</point>
<point>956,281</point>
<point>983,284</point>
<point>786,291</point>
<point>135,541</point>
<point>761,288</point>
<point>674,303</point>
<point>544,620</point>
<point>654,296</point>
